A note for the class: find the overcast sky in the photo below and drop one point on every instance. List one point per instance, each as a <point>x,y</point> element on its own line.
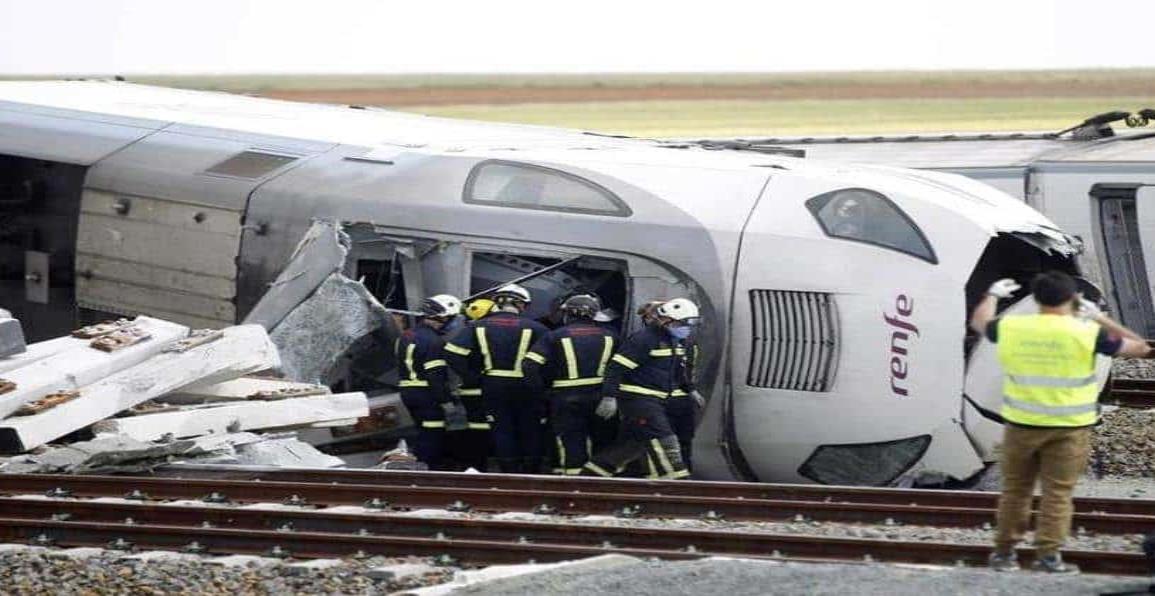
<point>395,36</point>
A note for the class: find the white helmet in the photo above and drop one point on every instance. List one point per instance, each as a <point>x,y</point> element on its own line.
<point>512,291</point>
<point>679,309</point>
<point>441,305</point>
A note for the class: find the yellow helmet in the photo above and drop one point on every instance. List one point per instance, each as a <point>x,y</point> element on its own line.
<point>479,308</point>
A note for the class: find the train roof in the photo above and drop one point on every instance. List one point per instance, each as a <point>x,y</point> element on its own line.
<point>961,151</point>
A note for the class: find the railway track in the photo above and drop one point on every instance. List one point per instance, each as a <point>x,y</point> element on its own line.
<point>210,515</point>
<point>1131,393</point>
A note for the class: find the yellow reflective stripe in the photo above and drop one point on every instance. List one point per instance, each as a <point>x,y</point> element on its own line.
<point>653,471</point>
<point>432,364</point>
<point>509,374</point>
<point>1060,382</point>
<point>596,469</point>
<point>578,382</point>
<point>678,474</point>
<point>642,390</point>
<point>661,454</point>
<point>571,363</point>
<point>589,448</point>
<point>412,383</point>
<point>662,352</point>
<point>1048,410</point>
<point>433,424</point>
<point>522,348</point>
<point>538,358</point>
<point>456,349</point>
<point>678,393</point>
<point>571,471</point>
<point>463,392</point>
<point>607,351</point>
<point>483,343</point>
<point>478,426</point>
<point>626,362</point>
<point>409,361</point>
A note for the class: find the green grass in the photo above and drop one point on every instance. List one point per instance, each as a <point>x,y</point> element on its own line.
<point>772,118</point>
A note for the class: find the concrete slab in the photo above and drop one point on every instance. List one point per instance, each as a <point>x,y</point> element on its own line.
<point>286,453</point>
<point>216,419</point>
<point>242,350</point>
<point>82,365</point>
<point>160,556</point>
<point>11,337</point>
<point>39,351</point>
<point>241,389</point>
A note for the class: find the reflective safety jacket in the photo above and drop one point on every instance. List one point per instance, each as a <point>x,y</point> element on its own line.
<point>1049,370</point>
<point>572,356</point>
<point>493,347</point>
<point>651,363</point>
<point>421,361</point>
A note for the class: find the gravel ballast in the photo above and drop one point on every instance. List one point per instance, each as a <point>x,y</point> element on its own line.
<point>51,571</point>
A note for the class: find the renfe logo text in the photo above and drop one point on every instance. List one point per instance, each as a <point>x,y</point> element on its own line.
<point>900,340</point>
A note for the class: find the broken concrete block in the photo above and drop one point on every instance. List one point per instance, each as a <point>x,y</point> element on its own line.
<point>314,566</point>
<point>71,369</point>
<point>320,253</point>
<point>285,453</point>
<point>195,421</point>
<point>241,350</point>
<point>321,329</point>
<point>124,454</point>
<point>11,337</point>
<point>240,389</point>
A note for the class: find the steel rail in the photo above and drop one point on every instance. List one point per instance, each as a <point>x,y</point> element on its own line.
<point>629,486</point>
<point>568,503</point>
<point>1131,393</point>
<point>487,551</point>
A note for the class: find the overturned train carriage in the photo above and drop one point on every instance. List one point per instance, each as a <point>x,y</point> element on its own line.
<point>835,296</point>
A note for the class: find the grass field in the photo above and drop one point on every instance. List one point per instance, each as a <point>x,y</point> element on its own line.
<point>734,118</point>
<point>727,104</point>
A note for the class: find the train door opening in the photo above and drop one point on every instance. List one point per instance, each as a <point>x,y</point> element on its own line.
<point>39,208</point>
<point>604,277</point>
<point>1122,257</point>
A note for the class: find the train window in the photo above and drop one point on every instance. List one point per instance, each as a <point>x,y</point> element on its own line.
<point>250,164</point>
<point>527,186</point>
<point>867,216</point>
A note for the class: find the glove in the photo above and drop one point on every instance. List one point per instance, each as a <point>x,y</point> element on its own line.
<point>455,416</point>
<point>1088,309</point>
<point>699,399</point>
<point>1003,288</point>
<point>607,407</point>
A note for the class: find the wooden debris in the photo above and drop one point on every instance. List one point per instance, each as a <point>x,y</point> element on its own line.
<point>99,329</point>
<point>197,338</point>
<point>117,340</point>
<point>47,402</point>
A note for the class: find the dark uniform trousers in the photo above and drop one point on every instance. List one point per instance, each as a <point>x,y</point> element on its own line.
<point>681,412</point>
<point>430,422</point>
<point>472,447</point>
<point>517,409</point>
<point>645,433</point>
<point>578,431</point>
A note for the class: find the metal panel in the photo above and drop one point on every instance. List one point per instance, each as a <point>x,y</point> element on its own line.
<point>37,276</point>
<point>65,136</point>
<point>795,337</point>
<point>1123,254</point>
<point>146,255</point>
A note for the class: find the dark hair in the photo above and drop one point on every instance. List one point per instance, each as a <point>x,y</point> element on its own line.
<point>1053,288</point>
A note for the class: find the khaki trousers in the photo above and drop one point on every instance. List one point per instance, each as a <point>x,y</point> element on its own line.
<point>1056,457</point>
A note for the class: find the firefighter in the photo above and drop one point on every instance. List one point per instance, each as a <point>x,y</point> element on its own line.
<point>423,376</point>
<point>571,362</point>
<point>641,376</point>
<point>1050,403</point>
<point>472,447</point>
<point>492,349</point>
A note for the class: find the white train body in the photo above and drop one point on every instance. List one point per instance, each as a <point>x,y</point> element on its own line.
<point>836,296</point>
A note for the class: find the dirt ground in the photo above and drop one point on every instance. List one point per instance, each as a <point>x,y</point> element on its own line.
<point>450,95</point>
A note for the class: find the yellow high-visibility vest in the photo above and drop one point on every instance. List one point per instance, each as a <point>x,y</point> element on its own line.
<point>1049,370</point>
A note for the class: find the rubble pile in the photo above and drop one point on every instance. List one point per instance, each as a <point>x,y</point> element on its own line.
<point>1124,444</point>
<point>148,392</point>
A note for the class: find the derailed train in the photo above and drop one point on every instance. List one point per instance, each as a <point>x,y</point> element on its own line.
<point>835,297</point>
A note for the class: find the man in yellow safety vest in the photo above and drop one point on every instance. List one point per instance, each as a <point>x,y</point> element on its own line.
<point>1050,403</point>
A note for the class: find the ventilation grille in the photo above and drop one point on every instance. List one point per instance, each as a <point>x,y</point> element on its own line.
<point>795,340</point>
